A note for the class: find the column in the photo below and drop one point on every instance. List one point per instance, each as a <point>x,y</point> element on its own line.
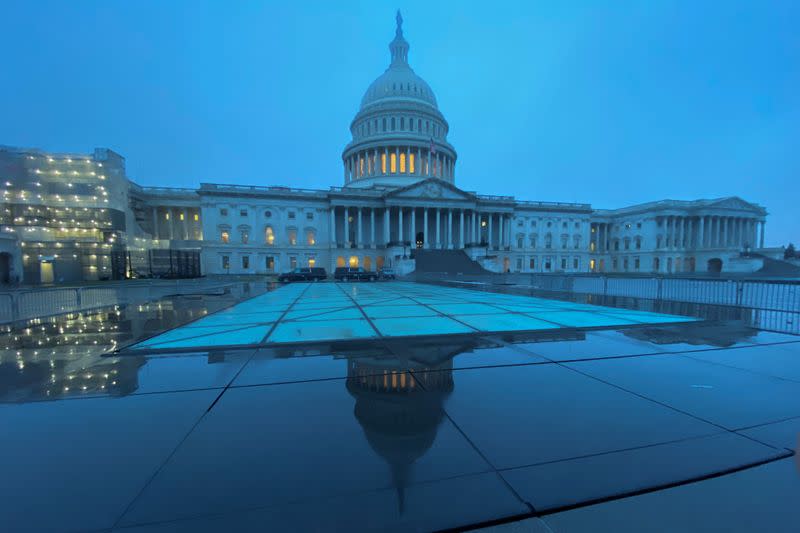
<point>400,225</point>
<point>332,227</point>
<point>449,229</point>
<point>474,220</point>
<point>489,233</point>
<point>438,230</point>
<point>413,221</point>
<point>346,228</point>
<point>408,167</point>
<point>386,227</point>
<point>372,243</point>
<point>723,235</point>
<point>359,244</point>
<point>171,223</point>
<point>761,239</point>
<point>397,166</point>
<point>426,237</point>
<point>501,220</point>
<point>155,222</point>
<point>702,235</point>
<point>185,224</point>
<point>461,229</point>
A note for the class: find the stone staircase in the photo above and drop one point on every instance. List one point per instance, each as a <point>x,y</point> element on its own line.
<point>451,262</point>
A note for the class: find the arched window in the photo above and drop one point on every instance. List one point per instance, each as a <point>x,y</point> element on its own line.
<point>393,125</point>
<point>225,236</point>
<point>411,124</point>
<point>311,237</point>
<point>244,234</point>
<point>411,169</point>
<point>402,123</point>
<point>269,235</point>
<point>548,241</point>
<point>383,163</point>
<point>419,125</point>
<point>340,261</point>
<point>427,126</point>
<point>291,233</point>
<point>402,163</point>
<point>384,124</point>
<point>393,163</point>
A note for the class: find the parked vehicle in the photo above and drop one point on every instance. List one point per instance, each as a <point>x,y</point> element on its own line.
<point>386,273</point>
<point>303,274</point>
<point>354,274</point>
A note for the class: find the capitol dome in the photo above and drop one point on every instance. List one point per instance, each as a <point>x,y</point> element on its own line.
<point>399,134</point>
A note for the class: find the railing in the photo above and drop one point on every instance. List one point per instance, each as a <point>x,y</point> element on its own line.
<point>25,304</point>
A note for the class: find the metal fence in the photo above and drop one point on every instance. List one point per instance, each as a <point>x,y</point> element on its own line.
<point>765,294</point>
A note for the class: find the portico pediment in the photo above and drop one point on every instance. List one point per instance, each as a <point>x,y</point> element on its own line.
<point>734,202</point>
<point>431,189</point>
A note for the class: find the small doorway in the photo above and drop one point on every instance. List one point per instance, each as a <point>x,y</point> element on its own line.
<point>420,240</point>
<point>46,272</point>
<point>5,268</point>
<point>715,265</point>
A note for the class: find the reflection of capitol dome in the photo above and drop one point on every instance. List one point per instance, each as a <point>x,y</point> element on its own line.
<point>399,135</point>
<point>399,418</point>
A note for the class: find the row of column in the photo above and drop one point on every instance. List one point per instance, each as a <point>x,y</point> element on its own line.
<point>442,228</point>
<point>176,223</point>
<point>708,231</point>
<point>407,160</point>
<point>711,231</point>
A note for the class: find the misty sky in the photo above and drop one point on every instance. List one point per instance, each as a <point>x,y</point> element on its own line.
<point>610,103</point>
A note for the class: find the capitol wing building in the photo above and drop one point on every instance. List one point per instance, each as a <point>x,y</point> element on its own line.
<point>399,196</point>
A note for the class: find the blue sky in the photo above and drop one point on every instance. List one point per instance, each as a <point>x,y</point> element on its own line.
<point>611,103</point>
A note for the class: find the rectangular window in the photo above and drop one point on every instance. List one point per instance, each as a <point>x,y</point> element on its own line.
<point>223,212</point>
<point>636,263</point>
<point>292,262</point>
<point>292,215</point>
<point>547,264</point>
<point>245,236</point>
<point>393,163</point>
<point>519,242</point>
<point>270,263</point>
<point>311,239</point>
<point>625,264</point>
<point>309,216</point>
<point>532,263</point>
<point>519,264</point>
<point>383,161</point>
<point>245,262</point>
<point>226,262</point>
<point>166,216</point>
<point>180,216</point>
<point>225,237</point>
<point>196,217</point>
<point>576,262</point>
<point>242,212</point>
<point>627,244</point>
<point>411,167</point>
<point>563,263</point>
<point>402,163</point>
<point>293,237</point>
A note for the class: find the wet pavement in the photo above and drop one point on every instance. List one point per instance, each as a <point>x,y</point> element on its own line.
<point>622,428</point>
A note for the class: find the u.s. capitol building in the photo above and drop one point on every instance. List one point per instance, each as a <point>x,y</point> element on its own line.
<point>399,193</point>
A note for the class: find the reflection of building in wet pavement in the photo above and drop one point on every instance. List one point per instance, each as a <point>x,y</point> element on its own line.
<point>718,335</point>
<point>62,357</point>
<point>399,414</point>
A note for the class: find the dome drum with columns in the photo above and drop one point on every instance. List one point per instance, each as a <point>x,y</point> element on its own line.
<point>399,134</point>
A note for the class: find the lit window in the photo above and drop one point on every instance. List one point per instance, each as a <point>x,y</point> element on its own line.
<point>383,162</point>
<point>196,217</point>
<point>225,237</point>
<point>353,262</point>
<point>270,263</point>
<point>269,236</point>
<point>310,238</point>
<point>292,262</point>
<point>166,216</point>
<point>411,164</point>
<point>312,262</point>
<point>403,163</point>
<point>393,163</point>
<point>181,216</point>
<point>293,237</point>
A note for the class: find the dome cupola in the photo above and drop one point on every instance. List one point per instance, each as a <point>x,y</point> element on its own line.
<point>399,134</point>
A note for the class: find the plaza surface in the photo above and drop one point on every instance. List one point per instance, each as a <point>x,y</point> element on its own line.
<point>667,426</point>
<point>313,312</point>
